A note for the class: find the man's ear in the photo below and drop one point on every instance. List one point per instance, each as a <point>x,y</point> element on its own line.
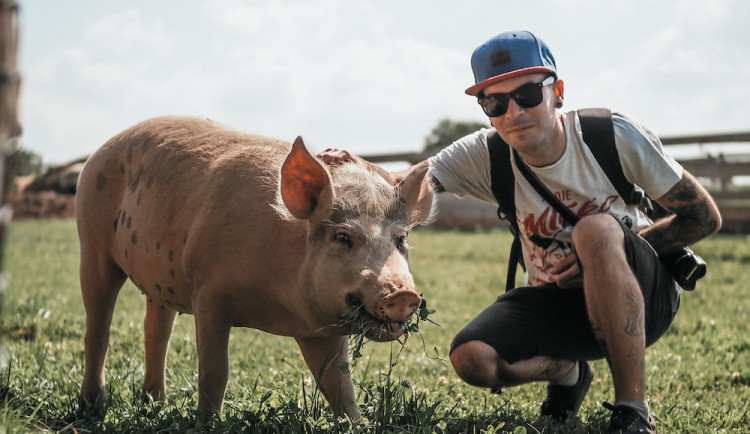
<point>559,87</point>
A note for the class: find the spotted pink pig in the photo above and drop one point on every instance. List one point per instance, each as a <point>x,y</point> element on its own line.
<point>243,231</point>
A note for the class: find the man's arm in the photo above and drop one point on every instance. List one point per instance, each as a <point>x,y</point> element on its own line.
<point>695,217</point>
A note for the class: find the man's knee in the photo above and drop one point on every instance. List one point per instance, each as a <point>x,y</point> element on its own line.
<point>597,234</point>
<point>476,363</point>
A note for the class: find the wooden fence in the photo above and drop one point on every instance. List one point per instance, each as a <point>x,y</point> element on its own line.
<point>719,173</point>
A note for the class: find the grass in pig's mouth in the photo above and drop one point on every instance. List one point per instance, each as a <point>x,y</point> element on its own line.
<point>361,323</point>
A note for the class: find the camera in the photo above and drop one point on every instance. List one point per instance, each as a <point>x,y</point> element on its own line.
<point>685,266</point>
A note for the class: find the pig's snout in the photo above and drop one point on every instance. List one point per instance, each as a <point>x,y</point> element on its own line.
<point>398,306</point>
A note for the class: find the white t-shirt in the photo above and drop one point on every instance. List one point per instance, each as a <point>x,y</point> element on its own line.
<point>463,168</point>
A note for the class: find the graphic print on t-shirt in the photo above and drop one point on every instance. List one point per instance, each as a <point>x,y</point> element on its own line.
<point>550,234</point>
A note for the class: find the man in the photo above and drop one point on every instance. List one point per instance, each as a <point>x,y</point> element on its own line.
<point>625,299</point>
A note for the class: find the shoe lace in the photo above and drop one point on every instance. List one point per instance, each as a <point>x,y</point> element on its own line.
<point>622,416</point>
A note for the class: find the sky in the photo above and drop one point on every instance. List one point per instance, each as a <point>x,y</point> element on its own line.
<point>373,77</point>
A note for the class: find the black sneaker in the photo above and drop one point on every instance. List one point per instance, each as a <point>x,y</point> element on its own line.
<point>564,401</point>
<point>626,420</point>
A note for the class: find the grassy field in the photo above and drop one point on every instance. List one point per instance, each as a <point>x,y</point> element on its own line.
<point>697,374</point>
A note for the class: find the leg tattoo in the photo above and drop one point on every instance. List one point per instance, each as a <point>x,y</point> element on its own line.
<point>635,326</point>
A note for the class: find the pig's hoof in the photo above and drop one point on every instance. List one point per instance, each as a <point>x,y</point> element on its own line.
<point>93,410</point>
<point>206,421</point>
<point>149,397</point>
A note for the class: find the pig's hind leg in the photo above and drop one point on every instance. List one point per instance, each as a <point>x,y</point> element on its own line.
<point>158,330</point>
<point>101,280</point>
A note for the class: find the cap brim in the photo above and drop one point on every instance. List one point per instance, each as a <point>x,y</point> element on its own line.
<point>474,90</point>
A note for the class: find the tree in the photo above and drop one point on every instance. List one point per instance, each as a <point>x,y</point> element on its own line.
<point>27,162</point>
<point>447,132</point>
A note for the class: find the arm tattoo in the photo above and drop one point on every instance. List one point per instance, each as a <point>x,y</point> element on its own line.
<point>437,187</point>
<point>695,217</point>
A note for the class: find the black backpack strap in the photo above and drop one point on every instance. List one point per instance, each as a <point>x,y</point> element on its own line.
<point>599,135</point>
<point>567,214</point>
<point>503,188</point>
<point>514,260</point>
<point>501,174</point>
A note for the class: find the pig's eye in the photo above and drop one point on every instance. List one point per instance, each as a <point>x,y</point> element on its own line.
<point>342,238</point>
<point>401,244</point>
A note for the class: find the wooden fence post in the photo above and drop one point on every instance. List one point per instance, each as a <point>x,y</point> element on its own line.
<point>10,129</point>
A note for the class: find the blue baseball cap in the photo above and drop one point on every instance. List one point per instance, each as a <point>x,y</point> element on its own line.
<point>508,55</point>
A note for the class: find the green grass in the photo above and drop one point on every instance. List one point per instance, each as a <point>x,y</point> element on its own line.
<point>697,374</point>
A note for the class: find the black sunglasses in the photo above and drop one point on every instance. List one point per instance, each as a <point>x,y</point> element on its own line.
<point>527,96</point>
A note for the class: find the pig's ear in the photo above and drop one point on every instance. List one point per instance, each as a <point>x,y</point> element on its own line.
<point>305,183</point>
<point>419,196</point>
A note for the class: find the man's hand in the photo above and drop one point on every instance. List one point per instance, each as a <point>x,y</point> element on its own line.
<point>334,157</point>
<point>566,272</point>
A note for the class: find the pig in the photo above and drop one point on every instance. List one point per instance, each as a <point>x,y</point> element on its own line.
<point>243,231</point>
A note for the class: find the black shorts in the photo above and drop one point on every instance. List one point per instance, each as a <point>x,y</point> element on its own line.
<point>548,320</point>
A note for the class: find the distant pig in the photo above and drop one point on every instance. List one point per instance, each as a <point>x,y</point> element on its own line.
<point>243,231</point>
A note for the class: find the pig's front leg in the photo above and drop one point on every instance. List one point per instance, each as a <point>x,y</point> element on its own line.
<point>324,355</point>
<point>212,339</point>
